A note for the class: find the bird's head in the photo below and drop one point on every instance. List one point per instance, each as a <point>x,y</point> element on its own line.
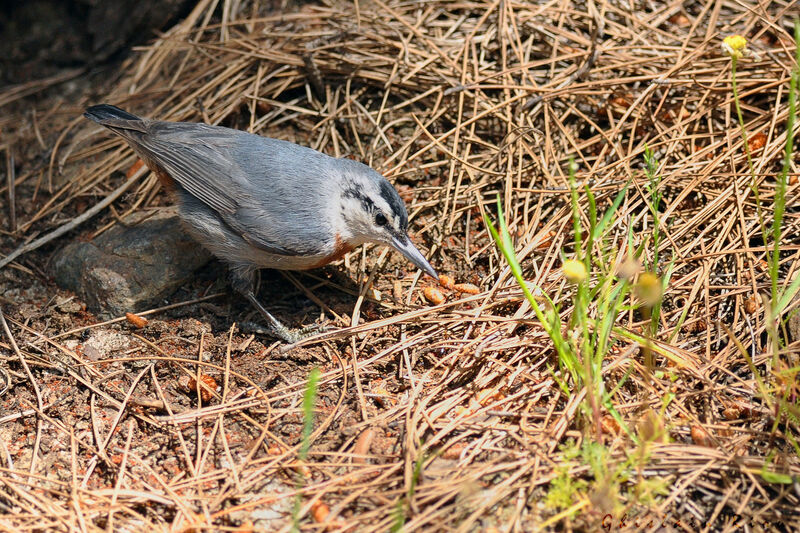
<point>372,211</point>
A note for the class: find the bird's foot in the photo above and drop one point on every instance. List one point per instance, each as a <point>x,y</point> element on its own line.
<point>293,336</point>
<point>286,334</point>
<point>276,328</point>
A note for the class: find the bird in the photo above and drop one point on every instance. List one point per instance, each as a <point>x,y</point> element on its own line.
<point>257,202</point>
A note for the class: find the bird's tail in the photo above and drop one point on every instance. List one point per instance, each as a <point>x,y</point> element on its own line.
<point>103,112</point>
<point>116,119</point>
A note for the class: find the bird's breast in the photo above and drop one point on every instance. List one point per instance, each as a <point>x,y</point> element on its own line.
<point>264,259</point>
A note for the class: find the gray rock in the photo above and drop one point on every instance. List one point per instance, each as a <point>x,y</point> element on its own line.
<point>133,267</point>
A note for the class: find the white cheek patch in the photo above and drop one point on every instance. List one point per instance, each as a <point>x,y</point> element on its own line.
<point>352,220</point>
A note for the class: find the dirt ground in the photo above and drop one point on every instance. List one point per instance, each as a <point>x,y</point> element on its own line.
<point>429,416</point>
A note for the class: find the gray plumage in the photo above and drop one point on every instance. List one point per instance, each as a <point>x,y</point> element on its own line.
<point>257,202</point>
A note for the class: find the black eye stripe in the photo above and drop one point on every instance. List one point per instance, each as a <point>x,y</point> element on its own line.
<point>391,197</point>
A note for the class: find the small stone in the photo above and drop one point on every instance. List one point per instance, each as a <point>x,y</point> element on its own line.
<point>68,305</point>
<point>92,353</point>
<point>104,343</point>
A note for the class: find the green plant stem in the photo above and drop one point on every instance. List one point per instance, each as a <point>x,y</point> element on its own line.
<point>780,193</point>
<point>740,117</point>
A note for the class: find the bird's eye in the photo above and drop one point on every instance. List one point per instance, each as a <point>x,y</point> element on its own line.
<point>380,219</point>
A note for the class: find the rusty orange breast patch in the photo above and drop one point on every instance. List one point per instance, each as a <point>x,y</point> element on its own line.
<point>163,177</point>
<point>340,248</point>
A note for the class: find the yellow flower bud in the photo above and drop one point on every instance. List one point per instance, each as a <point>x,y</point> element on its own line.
<point>648,288</point>
<point>735,46</point>
<point>574,271</point>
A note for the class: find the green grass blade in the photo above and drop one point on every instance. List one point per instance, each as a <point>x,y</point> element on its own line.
<point>603,224</point>
<point>309,400</point>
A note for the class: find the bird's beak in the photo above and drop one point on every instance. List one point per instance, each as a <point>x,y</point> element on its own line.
<point>404,245</point>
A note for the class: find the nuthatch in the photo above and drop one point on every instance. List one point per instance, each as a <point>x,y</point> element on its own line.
<point>257,202</point>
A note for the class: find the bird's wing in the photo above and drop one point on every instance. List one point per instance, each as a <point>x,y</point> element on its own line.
<point>199,158</point>
<point>194,155</point>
